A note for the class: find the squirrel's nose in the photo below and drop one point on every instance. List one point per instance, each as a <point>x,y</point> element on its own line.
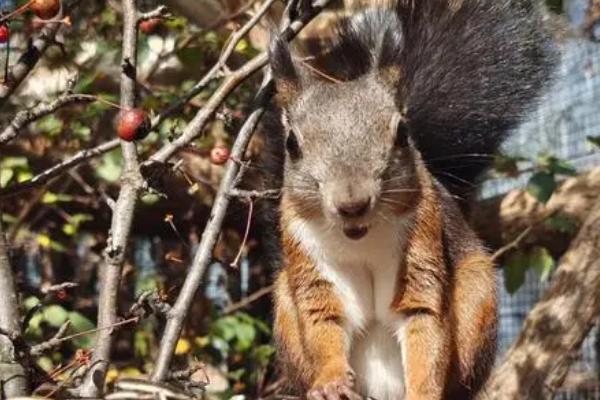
<point>353,209</point>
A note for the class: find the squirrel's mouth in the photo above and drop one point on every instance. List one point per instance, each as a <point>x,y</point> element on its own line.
<point>355,232</point>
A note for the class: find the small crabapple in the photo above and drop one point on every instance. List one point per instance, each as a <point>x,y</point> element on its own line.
<point>45,9</point>
<point>219,155</point>
<point>133,124</point>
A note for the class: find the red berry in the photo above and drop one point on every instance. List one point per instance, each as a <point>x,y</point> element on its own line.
<point>62,294</point>
<point>4,33</point>
<point>133,124</point>
<point>149,26</point>
<point>45,9</point>
<point>219,155</point>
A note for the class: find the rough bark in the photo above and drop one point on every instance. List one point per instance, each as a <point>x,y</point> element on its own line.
<point>13,378</point>
<point>537,363</point>
<point>122,218</point>
<point>498,221</point>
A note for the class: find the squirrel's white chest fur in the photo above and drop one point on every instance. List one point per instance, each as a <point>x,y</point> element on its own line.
<point>364,274</point>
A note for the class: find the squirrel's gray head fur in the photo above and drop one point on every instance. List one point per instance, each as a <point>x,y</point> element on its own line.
<point>349,157</point>
<point>433,82</point>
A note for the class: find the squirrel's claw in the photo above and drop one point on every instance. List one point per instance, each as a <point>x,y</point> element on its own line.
<point>333,391</point>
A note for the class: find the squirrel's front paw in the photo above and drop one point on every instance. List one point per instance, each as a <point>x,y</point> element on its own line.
<point>334,383</point>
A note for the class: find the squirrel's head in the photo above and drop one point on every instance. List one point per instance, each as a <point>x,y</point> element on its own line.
<point>349,157</point>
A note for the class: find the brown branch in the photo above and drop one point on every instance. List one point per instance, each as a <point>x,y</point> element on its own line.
<point>25,117</point>
<point>122,218</point>
<point>240,252</point>
<point>58,169</point>
<point>514,244</point>
<point>246,301</point>
<point>255,194</point>
<point>12,373</point>
<point>211,232</point>
<point>536,365</point>
<point>51,343</point>
<point>158,12</point>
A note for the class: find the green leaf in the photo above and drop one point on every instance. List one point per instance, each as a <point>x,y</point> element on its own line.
<point>562,224</point>
<point>14,162</point>
<point>176,22</point>
<point>75,220</point>
<point>23,176</point>
<point>110,166</point>
<point>80,323</point>
<point>34,328</point>
<point>150,198</point>
<point>141,344</point>
<point>31,302</point>
<point>81,130</point>
<point>5,176</point>
<point>542,185</point>
<point>55,315</point>
<point>220,345</point>
<point>225,328</point>
<point>595,140</point>
<point>263,354</point>
<point>45,363</point>
<point>541,261</point>
<point>245,334</point>
<point>515,270</point>
<point>69,229</point>
<point>51,198</point>
<point>561,167</point>
<point>507,165</point>
<point>50,125</point>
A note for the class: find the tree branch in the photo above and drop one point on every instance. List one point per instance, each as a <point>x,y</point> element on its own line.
<point>122,218</point>
<point>58,169</point>
<point>158,12</point>
<point>211,232</point>
<point>246,301</point>
<point>536,365</point>
<point>25,117</point>
<point>13,376</point>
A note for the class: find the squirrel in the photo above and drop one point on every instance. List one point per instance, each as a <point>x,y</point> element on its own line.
<point>385,290</point>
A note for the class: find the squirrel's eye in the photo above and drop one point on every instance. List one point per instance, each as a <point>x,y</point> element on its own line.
<point>292,147</point>
<point>401,135</point>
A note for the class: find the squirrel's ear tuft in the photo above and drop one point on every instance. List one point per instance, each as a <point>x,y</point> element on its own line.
<point>285,73</point>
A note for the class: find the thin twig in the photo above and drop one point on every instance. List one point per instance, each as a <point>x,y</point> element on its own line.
<point>246,301</point>
<point>25,117</point>
<point>58,169</point>
<point>255,194</point>
<point>159,12</point>
<point>101,329</point>
<point>516,242</point>
<point>236,260</point>
<point>59,287</point>
<point>51,343</point>
<point>512,245</point>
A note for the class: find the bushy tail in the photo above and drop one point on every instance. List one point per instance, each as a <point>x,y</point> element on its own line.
<point>469,72</point>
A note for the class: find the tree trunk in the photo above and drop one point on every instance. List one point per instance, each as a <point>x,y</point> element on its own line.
<point>13,378</point>
<point>537,363</point>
